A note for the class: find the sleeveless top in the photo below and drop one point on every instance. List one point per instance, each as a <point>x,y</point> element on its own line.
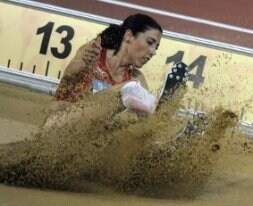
<point>89,83</point>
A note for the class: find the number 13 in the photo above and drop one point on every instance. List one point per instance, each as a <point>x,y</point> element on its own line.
<point>47,31</point>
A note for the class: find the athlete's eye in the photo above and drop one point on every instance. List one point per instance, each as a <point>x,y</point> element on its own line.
<point>150,42</point>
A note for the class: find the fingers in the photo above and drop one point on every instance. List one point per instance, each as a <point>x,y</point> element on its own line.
<point>97,42</point>
<point>92,51</point>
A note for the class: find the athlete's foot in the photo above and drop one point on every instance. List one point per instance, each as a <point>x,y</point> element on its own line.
<point>175,79</point>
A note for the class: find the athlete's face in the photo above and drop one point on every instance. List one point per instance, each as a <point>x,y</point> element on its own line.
<point>143,46</point>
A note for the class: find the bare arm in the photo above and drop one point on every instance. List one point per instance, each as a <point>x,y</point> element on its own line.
<point>138,75</point>
<point>78,73</point>
<point>86,56</point>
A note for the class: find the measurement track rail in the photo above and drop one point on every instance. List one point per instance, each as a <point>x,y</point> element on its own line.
<point>34,82</point>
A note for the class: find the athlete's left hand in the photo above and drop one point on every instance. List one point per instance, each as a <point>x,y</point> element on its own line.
<point>136,98</point>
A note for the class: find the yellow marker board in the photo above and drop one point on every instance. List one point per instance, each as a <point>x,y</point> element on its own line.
<point>40,42</point>
<point>43,43</point>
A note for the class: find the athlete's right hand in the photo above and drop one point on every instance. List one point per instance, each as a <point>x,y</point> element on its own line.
<point>91,53</point>
<point>86,57</point>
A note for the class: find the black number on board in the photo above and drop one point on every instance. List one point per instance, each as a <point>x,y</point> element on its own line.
<point>65,41</point>
<point>198,63</point>
<point>197,78</point>
<point>46,31</point>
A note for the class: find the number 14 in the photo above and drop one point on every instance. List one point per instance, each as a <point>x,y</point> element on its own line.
<point>197,78</point>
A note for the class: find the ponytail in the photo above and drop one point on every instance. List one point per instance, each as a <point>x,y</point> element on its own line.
<point>112,37</point>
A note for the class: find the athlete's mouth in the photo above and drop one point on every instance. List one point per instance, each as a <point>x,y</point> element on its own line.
<point>146,59</point>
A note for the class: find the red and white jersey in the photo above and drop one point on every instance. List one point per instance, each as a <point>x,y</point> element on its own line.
<point>90,83</point>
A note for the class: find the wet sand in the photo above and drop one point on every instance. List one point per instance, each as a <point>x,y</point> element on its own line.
<point>23,111</point>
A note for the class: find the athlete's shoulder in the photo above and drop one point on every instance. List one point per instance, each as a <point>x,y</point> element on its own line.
<point>136,74</point>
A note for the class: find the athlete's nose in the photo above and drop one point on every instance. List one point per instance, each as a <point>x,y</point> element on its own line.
<point>152,51</point>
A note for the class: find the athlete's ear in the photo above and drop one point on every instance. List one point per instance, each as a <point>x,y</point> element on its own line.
<point>128,35</point>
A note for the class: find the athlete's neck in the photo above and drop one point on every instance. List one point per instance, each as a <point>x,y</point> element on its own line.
<point>117,64</point>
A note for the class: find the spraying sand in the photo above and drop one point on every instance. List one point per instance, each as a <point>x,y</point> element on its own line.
<point>124,151</point>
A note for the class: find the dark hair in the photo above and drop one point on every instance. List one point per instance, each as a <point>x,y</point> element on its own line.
<point>111,37</point>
